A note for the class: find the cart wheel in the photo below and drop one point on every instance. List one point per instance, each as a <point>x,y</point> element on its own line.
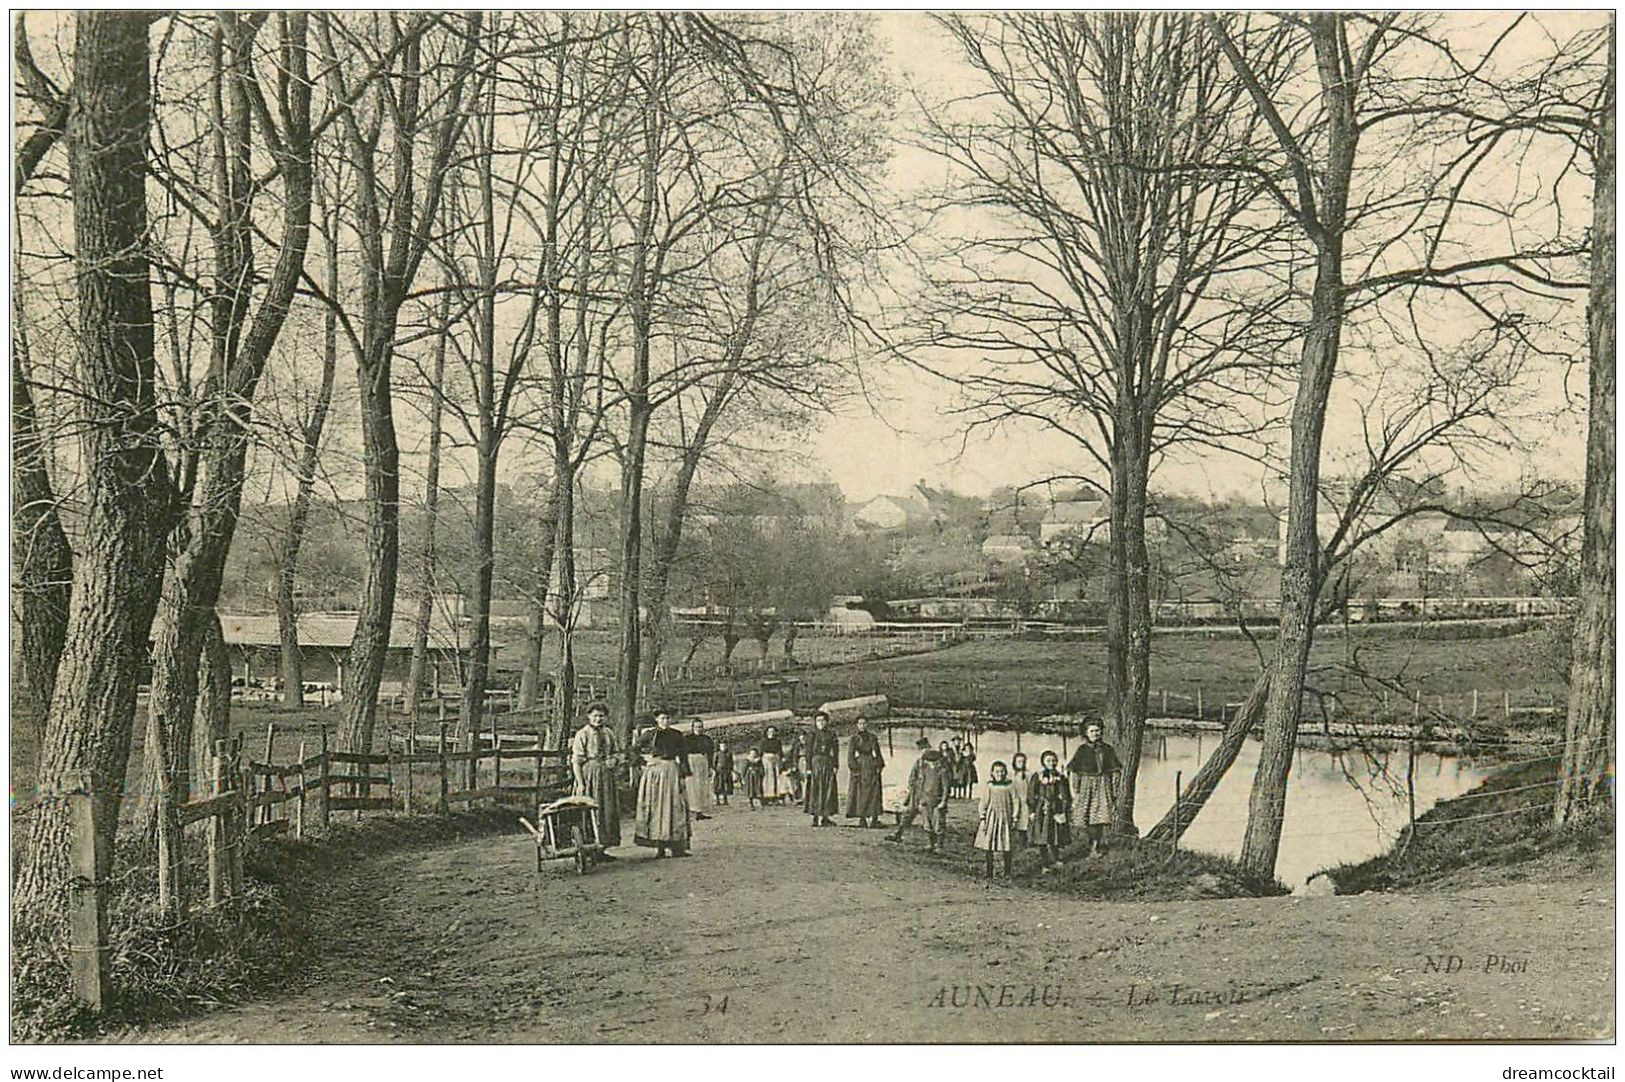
<point>580,844</point>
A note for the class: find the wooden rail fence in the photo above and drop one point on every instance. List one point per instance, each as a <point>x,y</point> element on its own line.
<point>257,799</point>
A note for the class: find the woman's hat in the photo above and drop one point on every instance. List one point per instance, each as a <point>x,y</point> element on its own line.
<point>922,742</point>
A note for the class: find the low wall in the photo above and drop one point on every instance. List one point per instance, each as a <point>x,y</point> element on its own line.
<point>750,719</point>
<point>846,711</point>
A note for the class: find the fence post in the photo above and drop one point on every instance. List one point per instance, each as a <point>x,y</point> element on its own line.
<point>214,833</point>
<point>389,763</point>
<point>445,806</point>
<point>88,955</point>
<point>240,826</point>
<point>1199,712</point>
<point>1506,704</point>
<point>1179,784</point>
<point>1475,702</point>
<point>323,770</point>
<point>1164,702</point>
<point>496,758</point>
<point>299,808</point>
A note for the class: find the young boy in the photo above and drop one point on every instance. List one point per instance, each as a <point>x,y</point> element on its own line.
<point>927,794</point>
<point>722,774</point>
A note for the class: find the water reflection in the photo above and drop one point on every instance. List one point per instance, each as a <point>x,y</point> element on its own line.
<point>1342,805</point>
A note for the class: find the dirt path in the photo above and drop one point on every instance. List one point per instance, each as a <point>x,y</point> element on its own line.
<point>775,932</point>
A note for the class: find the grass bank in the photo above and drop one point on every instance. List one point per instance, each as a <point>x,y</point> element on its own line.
<point>1502,830</point>
<point>252,946</point>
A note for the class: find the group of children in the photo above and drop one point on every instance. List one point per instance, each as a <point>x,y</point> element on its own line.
<point>1017,807</point>
<point>767,773</point>
<point>1020,808</point>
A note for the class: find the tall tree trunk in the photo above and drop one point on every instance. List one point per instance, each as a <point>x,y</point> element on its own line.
<point>479,646</point>
<point>566,615</point>
<point>1300,578</point>
<point>530,680</point>
<point>42,560</point>
<point>1589,739</point>
<point>641,291</point>
<point>418,672</point>
<point>395,232</point>
<point>488,445</point>
<point>287,613</point>
<point>628,668</point>
<point>670,539</point>
<point>1136,632</point>
<point>370,647</point>
<point>212,722</point>
<point>1326,223</point>
<point>240,349</point>
<point>129,498</point>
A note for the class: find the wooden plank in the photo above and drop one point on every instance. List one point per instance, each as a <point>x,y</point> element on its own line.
<point>358,779</point>
<point>362,803</point>
<point>361,758</point>
<point>273,770</point>
<point>194,810</point>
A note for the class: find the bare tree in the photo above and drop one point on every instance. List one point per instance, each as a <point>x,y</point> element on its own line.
<point>309,457</point>
<point>1589,739</point>
<point>130,500</point>
<point>1359,102</point>
<point>42,559</point>
<point>1114,277</point>
<point>418,670</point>
<point>240,345</point>
<point>400,130</point>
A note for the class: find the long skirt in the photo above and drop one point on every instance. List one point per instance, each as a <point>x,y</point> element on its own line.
<point>822,798</point>
<point>772,784</point>
<point>863,796</point>
<point>1044,830</point>
<point>1093,801</point>
<point>599,782</point>
<point>662,817</point>
<point>698,783</point>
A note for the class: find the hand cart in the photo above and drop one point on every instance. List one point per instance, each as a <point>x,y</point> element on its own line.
<point>567,828</point>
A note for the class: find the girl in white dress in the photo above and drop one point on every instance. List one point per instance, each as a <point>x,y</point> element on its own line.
<point>995,830</point>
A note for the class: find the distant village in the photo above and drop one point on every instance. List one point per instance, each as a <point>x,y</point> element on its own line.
<point>803,553</point>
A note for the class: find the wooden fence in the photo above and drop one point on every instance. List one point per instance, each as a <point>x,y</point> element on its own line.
<point>257,799</point>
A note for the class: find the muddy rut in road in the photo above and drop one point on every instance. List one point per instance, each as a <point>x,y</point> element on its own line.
<point>776,932</point>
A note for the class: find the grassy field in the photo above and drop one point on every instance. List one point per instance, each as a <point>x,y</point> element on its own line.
<point>1023,677</point>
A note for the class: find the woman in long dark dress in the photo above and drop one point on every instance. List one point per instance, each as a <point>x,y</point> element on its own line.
<point>1050,799</point>
<point>824,756</point>
<point>864,766</point>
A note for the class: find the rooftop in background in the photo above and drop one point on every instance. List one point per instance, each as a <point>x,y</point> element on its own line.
<point>336,630</point>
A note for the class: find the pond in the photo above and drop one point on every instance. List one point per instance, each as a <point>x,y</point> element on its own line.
<point>1342,805</point>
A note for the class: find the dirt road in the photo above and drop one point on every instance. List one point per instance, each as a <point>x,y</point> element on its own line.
<point>775,932</point>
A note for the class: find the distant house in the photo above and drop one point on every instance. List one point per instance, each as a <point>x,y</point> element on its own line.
<point>1009,548</point>
<point>1075,519</point>
<point>908,511</point>
<point>255,644</point>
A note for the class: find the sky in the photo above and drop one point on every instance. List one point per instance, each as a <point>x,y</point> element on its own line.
<point>907,433</point>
